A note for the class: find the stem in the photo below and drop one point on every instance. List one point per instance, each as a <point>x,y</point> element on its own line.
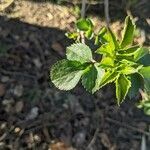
<point>83,16</point>
<point>106,8</point>
<point>83,8</point>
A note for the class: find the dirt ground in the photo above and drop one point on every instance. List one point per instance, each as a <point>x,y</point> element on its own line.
<point>34,115</point>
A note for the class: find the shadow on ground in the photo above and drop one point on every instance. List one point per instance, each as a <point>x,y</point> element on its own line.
<point>33,112</point>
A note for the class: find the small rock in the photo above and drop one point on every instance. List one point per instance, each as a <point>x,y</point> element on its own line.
<point>17,130</point>
<point>8,101</point>
<point>37,138</point>
<point>50,16</point>
<point>2,89</point>
<point>19,106</point>
<point>79,138</point>
<point>33,113</point>
<point>37,62</point>
<point>4,79</point>
<point>18,91</point>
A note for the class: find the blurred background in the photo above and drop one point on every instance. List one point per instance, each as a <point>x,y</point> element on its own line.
<point>33,113</point>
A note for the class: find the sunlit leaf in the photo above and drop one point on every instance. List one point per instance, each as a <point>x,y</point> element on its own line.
<point>145,72</point>
<point>108,77</point>
<point>79,52</point>
<point>122,88</point>
<point>66,74</point>
<point>128,32</point>
<point>92,77</point>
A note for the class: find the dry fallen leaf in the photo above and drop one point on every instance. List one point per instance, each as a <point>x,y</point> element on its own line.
<point>105,140</point>
<point>60,146</point>
<point>18,90</point>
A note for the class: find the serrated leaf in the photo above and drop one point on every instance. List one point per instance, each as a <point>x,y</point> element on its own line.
<point>137,83</point>
<point>145,72</point>
<point>141,52</point>
<point>100,37</point>
<point>128,62</point>
<point>66,74</point>
<point>84,24</point>
<point>122,88</point>
<point>107,62</point>
<point>104,49</point>
<point>108,77</point>
<point>113,39</point>
<point>91,78</point>
<point>124,57</point>
<point>130,70</point>
<point>100,75</point>
<point>79,52</point>
<point>111,44</point>
<point>128,32</point>
<point>129,51</point>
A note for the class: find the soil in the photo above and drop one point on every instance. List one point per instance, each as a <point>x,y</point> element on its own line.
<point>33,113</point>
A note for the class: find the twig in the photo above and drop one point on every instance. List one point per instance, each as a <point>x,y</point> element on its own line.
<point>127,126</point>
<point>106,8</point>
<point>93,139</point>
<point>97,111</point>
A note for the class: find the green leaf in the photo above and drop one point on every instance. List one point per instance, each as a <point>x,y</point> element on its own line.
<point>128,32</point>
<point>104,49</point>
<point>124,57</point>
<point>111,45</point>
<point>128,62</point>
<point>84,24</point>
<point>137,83</point>
<point>100,37</point>
<point>89,34</point>
<point>108,77</point>
<point>113,39</point>
<point>107,62</point>
<point>129,51</point>
<point>100,75</point>
<point>145,60</point>
<point>122,88</point>
<point>145,72</point>
<point>91,78</point>
<point>130,70</point>
<point>147,111</point>
<point>79,52</point>
<point>66,74</point>
<point>147,84</point>
<point>73,35</point>
<point>141,52</point>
